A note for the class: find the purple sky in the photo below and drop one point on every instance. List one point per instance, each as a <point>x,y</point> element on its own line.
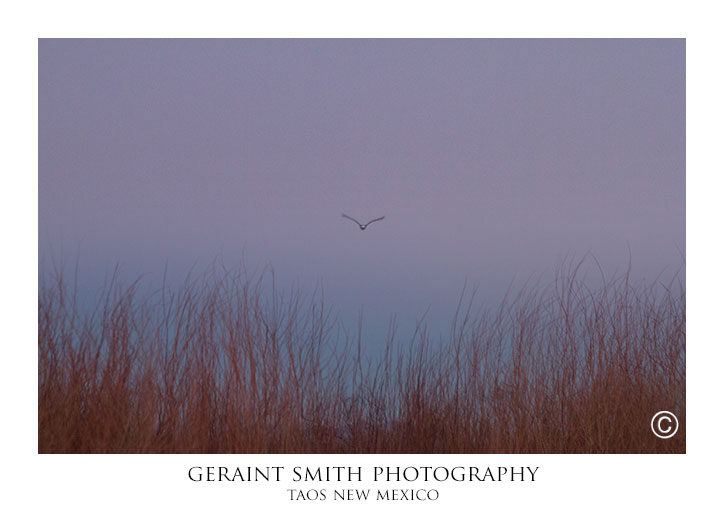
<point>491,160</point>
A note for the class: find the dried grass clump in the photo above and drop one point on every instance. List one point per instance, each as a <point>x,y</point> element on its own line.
<point>227,364</point>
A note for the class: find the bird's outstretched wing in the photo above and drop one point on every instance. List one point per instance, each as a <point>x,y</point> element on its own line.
<point>374,220</point>
<point>354,220</point>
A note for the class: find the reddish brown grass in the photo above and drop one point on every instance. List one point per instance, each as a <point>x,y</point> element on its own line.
<point>224,365</point>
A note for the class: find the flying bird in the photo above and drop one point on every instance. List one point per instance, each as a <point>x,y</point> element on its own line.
<point>363,226</point>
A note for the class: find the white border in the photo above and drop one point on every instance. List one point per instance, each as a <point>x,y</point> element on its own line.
<point>115,485</point>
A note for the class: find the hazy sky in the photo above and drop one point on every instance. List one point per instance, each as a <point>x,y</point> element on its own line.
<point>491,160</point>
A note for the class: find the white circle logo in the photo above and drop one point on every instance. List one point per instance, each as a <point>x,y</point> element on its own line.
<point>664,424</point>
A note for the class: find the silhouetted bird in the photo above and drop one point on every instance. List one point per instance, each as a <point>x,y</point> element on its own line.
<point>363,226</point>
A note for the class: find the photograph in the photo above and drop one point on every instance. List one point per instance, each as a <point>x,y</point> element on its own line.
<point>450,246</point>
